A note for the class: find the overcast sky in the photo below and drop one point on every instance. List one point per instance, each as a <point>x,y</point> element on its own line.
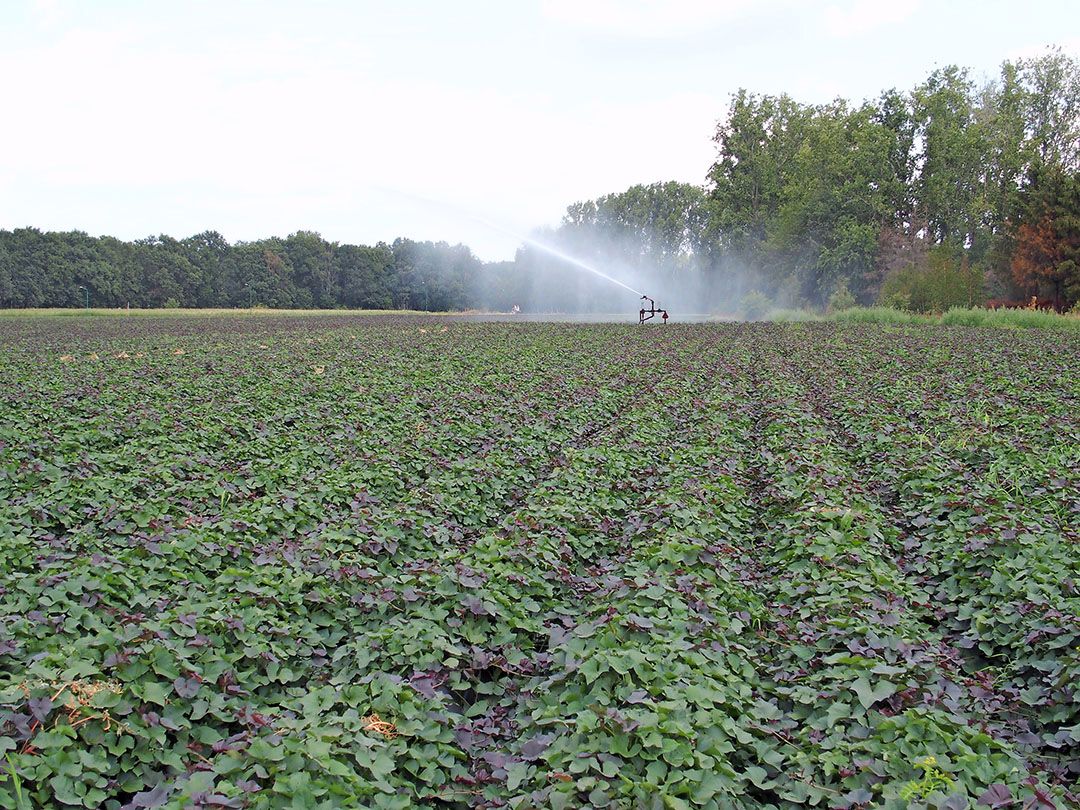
<point>370,120</point>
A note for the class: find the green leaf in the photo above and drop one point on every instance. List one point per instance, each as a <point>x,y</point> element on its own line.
<point>869,695</point>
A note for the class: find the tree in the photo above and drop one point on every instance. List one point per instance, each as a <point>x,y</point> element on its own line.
<point>843,189</point>
<point>658,225</point>
<point>311,259</point>
<point>1052,109</point>
<point>901,249</point>
<point>654,230</point>
<point>1046,257</point>
<point>952,161</point>
<point>207,253</point>
<point>361,276</point>
<point>945,279</point>
<point>893,112</point>
<point>431,276</point>
<point>165,274</point>
<point>757,145</point>
<point>7,288</point>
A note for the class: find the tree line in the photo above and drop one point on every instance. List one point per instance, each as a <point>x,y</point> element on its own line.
<point>956,192</point>
<point>304,270</point>
<point>953,193</point>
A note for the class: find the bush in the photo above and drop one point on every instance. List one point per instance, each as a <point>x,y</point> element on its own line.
<point>171,303</point>
<point>943,282</point>
<point>841,298</point>
<point>895,299</point>
<point>755,305</point>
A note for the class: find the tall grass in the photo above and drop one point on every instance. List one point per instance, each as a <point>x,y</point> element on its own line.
<point>1010,318</point>
<point>880,315</point>
<point>12,775</point>
<point>957,316</point>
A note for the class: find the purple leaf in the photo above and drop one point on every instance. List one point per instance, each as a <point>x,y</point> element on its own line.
<point>186,687</point>
<point>475,606</point>
<point>858,796</point>
<point>217,800</point>
<point>150,798</point>
<point>997,795</point>
<point>40,708</point>
<point>496,759</point>
<point>536,746</point>
<point>424,685</point>
<point>636,622</point>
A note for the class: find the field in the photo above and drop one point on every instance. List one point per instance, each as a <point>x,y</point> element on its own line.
<point>385,561</point>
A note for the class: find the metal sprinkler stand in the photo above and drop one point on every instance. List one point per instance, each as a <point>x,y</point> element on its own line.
<point>651,312</point>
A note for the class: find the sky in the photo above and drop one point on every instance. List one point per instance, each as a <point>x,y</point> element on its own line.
<point>467,121</point>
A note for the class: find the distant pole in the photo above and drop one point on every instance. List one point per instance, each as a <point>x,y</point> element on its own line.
<point>86,294</point>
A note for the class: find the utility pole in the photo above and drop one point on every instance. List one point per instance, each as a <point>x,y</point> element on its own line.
<point>86,294</point>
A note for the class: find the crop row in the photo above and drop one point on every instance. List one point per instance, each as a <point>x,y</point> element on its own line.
<point>390,561</point>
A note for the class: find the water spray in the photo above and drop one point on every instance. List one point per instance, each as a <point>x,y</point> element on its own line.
<point>558,254</point>
<point>643,314</point>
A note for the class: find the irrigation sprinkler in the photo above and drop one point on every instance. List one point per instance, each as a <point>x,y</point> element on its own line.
<point>651,312</point>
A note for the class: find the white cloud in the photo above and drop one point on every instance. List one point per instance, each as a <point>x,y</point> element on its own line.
<point>48,12</point>
<point>859,17</point>
<point>275,135</point>
<point>646,18</point>
<point>144,121</point>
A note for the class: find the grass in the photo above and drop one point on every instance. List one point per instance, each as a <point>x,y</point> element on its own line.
<point>21,802</point>
<point>94,312</point>
<point>886,315</point>
<point>957,316</point>
<point>1010,318</point>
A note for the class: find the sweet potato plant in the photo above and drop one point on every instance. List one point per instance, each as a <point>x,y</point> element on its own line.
<point>393,561</point>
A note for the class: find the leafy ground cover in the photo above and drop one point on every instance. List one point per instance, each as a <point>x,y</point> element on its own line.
<point>396,561</point>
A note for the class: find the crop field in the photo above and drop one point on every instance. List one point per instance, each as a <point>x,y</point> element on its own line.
<point>389,561</point>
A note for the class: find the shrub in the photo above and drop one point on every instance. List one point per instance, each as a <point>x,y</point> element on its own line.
<point>841,298</point>
<point>755,305</point>
<point>895,299</point>
<point>943,282</point>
